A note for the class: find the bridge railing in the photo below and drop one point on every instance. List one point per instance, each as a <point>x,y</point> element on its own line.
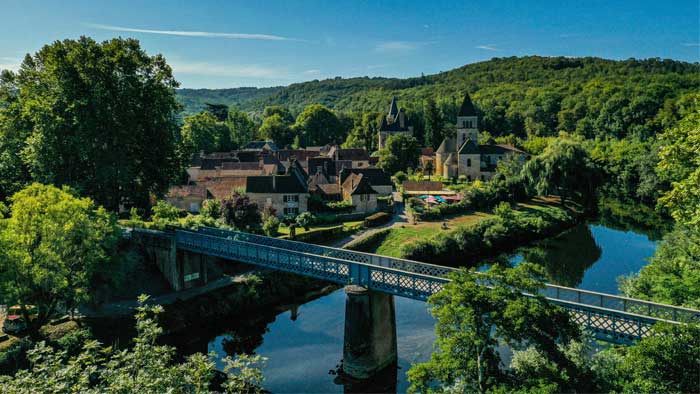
<point>555,292</point>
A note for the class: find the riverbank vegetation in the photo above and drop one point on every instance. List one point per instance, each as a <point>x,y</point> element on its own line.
<point>146,367</point>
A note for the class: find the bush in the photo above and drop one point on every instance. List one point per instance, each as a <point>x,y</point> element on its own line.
<point>164,212</point>
<point>271,226</point>
<point>339,207</point>
<point>370,242</point>
<point>377,219</point>
<point>211,209</point>
<point>305,219</point>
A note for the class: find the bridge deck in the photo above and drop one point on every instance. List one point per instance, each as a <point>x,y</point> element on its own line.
<point>610,317</point>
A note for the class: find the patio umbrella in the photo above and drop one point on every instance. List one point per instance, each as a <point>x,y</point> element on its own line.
<point>431,200</point>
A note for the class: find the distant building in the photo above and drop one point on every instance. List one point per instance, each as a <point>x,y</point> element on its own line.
<point>288,194</point>
<point>394,123</point>
<point>187,197</point>
<point>462,155</point>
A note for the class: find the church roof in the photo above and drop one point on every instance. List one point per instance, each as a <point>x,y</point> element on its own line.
<point>470,148</point>
<point>451,159</point>
<point>447,145</point>
<point>393,108</point>
<point>499,149</point>
<point>467,108</point>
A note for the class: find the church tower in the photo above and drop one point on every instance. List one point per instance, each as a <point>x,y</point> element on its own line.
<point>467,128</point>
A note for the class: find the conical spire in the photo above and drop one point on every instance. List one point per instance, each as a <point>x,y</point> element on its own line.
<point>393,109</point>
<point>467,108</point>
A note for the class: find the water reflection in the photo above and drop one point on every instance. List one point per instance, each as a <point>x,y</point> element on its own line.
<point>590,256</point>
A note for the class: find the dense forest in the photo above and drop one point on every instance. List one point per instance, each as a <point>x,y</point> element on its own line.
<point>517,95</point>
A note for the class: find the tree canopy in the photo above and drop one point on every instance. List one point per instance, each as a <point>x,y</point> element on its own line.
<point>401,152</point>
<point>100,117</point>
<point>318,125</point>
<point>53,246</point>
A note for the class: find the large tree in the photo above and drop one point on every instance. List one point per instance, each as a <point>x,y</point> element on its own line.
<point>52,246</point>
<point>433,123</point>
<point>401,152</point>
<point>276,128</point>
<point>241,127</point>
<point>318,125</point>
<point>473,320</point>
<point>564,168</point>
<point>204,132</point>
<point>680,163</point>
<point>365,132</point>
<point>100,117</point>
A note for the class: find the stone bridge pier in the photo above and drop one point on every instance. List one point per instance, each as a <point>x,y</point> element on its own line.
<point>181,268</point>
<point>370,332</point>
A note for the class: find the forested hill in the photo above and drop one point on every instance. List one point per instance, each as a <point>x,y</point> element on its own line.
<point>499,82</point>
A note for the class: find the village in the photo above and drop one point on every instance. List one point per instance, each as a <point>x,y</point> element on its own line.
<point>345,181</point>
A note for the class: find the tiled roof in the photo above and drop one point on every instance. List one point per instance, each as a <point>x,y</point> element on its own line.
<point>447,145</point>
<point>232,165</point>
<point>222,188</point>
<point>427,151</point>
<point>432,186</point>
<point>187,191</point>
<point>259,145</point>
<point>329,188</point>
<point>499,149</point>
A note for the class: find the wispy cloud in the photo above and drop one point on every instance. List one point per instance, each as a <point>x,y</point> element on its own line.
<point>312,72</point>
<point>184,33</point>
<point>400,46</point>
<point>228,70</point>
<point>487,47</point>
<point>10,63</point>
<point>691,44</point>
<point>376,66</point>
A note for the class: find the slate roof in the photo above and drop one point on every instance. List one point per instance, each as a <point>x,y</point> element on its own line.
<point>358,184</point>
<point>467,108</point>
<point>447,145</point>
<point>470,148</point>
<point>393,108</point>
<point>280,184</point>
<point>494,149</point>
<point>376,176</point>
<point>354,154</point>
<point>245,166</point>
<point>259,145</point>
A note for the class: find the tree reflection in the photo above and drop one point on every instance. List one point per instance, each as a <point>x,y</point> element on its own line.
<point>567,257</point>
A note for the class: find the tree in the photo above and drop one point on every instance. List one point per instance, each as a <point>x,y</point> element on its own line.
<point>13,134</point>
<point>241,127</point>
<point>428,169</point>
<point>240,212</point>
<point>667,361</point>
<point>220,111</point>
<point>282,111</point>
<point>680,163</point>
<point>401,152</point>
<point>304,220</point>
<point>433,123</point>
<point>203,132</point>
<point>147,367</point>
<point>365,131</point>
<point>564,168</point>
<point>473,320</point>
<point>318,125</point>
<point>275,128</point>
<point>54,244</point>
<point>100,117</point>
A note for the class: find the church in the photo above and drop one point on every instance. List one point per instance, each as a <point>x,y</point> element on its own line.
<point>394,123</point>
<point>462,155</point>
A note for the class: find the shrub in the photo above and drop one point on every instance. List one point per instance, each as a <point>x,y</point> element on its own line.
<point>271,226</point>
<point>304,220</point>
<point>164,212</point>
<point>377,219</point>
<point>211,209</point>
<point>339,207</point>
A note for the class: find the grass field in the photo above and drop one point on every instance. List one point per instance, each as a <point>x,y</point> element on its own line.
<point>407,233</point>
<point>284,230</point>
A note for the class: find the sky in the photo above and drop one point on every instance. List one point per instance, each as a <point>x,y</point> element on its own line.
<point>226,44</point>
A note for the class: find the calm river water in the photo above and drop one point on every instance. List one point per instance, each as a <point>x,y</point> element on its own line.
<point>302,351</point>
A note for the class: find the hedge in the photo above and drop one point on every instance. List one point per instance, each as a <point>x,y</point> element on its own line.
<point>321,235</point>
<point>370,242</point>
<point>377,219</point>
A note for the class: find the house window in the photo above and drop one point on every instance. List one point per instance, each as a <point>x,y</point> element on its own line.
<point>291,211</point>
<point>291,198</point>
<point>469,162</point>
<point>269,201</point>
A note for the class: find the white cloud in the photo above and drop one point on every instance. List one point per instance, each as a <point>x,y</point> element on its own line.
<point>228,70</point>
<point>312,72</point>
<point>396,46</point>
<point>691,44</point>
<point>487,47</point>
<point>241,36</point>
<point>10,63</point>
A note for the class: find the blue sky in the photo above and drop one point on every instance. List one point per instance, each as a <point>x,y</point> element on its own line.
<point>220,44</point>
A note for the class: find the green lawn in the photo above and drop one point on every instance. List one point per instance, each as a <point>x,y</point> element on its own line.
<point>284,230</point>
<point>407,233</point>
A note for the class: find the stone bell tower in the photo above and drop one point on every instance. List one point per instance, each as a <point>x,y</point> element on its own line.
<point>467,127</point>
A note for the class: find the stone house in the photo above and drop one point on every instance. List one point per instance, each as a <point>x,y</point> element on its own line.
<point>288,194</point>
<point>187,197</point>
<point>357,189</point>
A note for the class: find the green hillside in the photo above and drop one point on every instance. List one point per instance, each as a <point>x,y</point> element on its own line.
<point>517,95</point>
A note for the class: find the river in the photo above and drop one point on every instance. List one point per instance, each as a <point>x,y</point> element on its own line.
<point>303,347</point>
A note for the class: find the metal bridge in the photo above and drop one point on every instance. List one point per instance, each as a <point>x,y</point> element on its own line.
<point>609,317</point>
